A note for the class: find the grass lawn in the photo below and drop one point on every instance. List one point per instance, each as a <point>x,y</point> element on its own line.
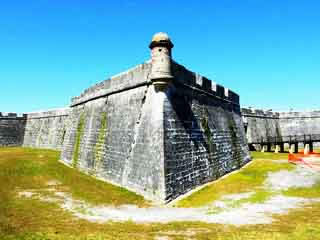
<point>30,219</point>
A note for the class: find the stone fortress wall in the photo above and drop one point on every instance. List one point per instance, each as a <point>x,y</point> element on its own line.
<point>299,123</point>
<point>40,129</point>
<point>12,128</point>
<point>158,143</point>
<point>46,129</point>
<point>262,124</point>
<point>157,129</point>
<point>203,129</point>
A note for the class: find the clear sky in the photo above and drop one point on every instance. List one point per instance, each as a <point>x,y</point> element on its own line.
<point>268,51</point>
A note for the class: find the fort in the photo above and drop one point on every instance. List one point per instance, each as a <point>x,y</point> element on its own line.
<point>267,128</point>
<point>157,129</point>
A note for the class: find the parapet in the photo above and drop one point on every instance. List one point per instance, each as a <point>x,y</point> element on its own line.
<point>196,81</point>
<point>251,112</point>
<point>302,114</point>
<point>259,113</point>
<point>131,78</point>
<point>17,116</point>
<point>59,112</point>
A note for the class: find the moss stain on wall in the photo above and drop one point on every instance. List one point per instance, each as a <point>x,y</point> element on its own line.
<point>236,155</point>
<point>207,132</point>
<point>99,146</point>
<point>79,134</point>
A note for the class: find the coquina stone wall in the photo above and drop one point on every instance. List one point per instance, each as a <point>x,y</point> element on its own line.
<point>299,123</point>
<point>116,133</point>
<point>46,129</point>
<point>204,134</point>
<point>157,129</point>
<point>12,129</point>
<point>261,124</point>
<point>158,143</point>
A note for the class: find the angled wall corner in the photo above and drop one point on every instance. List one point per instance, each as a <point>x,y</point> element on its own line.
<point>116,133</point>
<point>204,132</point>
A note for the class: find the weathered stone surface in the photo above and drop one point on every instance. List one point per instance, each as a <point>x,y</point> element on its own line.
<point>12,129</point>
<point>131,153</point>
<point>299,123</point>
<point>46,129</point>
<point>204,134</point>
<point>261,124</point>
<point>157,129</point>
<point>158,143</point>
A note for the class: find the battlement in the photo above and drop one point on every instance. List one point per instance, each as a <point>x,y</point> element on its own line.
<point>203,84</point>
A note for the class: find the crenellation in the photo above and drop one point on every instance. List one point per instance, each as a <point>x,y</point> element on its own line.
<point>220,91</point>
<point>206,84</point>
<point>214,87</point>
<point>199,80</point>
<point>226,92</point>
<point>233,97</point>
<point>196,81</point>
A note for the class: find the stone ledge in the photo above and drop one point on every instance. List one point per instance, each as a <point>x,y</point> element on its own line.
<point>49,113</point>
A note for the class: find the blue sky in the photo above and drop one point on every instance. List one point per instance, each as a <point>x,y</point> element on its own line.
<point>267,51</point>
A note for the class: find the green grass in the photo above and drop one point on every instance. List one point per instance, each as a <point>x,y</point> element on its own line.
<point>269,155</point>
<point>260,196</point>
<point>249,178</point>
<point>23,168</point>
<point>31,219</point>
<point>310,192</point>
